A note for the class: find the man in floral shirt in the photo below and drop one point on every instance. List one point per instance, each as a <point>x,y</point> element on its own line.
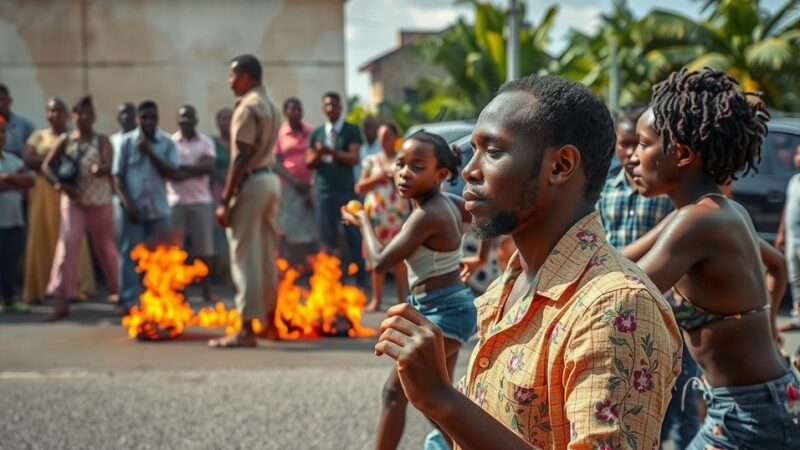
<point>577,349</point>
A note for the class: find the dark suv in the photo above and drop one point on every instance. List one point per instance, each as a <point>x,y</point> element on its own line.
<point>763,193</point>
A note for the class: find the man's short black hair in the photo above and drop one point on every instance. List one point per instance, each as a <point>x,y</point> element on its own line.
<point>4,90</point>
<point>83,102</point>
<point>567,112</point>
<point>222,111</point>
<point>333,95</point>
<point>292,101</point>
<point>147,104</point>
<point>248,64</point>
<point>629,114</point>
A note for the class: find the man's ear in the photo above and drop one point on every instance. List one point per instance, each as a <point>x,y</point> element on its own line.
<point>563,163</point>
<point>684,155</point>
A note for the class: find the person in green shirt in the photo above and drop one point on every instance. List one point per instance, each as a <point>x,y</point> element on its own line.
<point>334,149</point>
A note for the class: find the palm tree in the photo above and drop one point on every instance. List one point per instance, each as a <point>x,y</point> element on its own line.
<point>758,48</point>
<point>588,58</point>
<point>475,61</point>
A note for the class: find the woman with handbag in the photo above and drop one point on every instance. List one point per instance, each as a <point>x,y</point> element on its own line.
<point>44,213</point>
<point>80,167</point>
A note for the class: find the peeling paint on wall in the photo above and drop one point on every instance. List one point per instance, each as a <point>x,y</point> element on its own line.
<point>173,52</point>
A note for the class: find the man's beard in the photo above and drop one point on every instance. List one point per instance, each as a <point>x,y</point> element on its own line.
<point>505,222</point>
<point>497,225</point>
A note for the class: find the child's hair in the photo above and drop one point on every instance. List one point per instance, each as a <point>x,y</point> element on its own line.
<point>705,111</point>
<point>83,102</point>
<point>446,157</point>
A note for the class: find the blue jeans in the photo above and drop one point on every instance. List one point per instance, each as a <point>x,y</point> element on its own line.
<point>130,285</point>
<point>327,209</point>
<point>759,416</point>
<point>452,309</point>
<point>435,441</point>
<point>681,426</point>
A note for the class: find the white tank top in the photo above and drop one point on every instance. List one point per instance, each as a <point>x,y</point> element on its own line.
<point>425,263</point>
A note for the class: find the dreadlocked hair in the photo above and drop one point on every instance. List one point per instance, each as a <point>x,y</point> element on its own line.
<point>707,112</point>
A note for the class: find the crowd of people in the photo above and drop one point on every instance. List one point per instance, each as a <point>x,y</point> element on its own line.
<point>280,184</point>
<point>625,317</point>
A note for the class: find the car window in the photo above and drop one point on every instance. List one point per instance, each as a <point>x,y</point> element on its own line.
<point>452,135</point>
<point>777,154</point>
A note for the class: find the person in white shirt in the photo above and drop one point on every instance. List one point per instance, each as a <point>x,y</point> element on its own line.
<point>189,196</point>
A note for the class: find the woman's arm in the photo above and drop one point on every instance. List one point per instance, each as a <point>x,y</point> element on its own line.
<point>637,249</point>
<point>777,278</point>
<point>367,182</point>
<point>418,228</point>
<point>106,158</point>
<point>53,155</point>
<point>32,158</point>
<point>678,246</point>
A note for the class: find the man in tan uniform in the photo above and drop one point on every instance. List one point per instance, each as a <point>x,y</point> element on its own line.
<point>250,202</point>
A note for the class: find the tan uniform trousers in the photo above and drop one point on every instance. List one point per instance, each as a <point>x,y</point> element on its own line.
<point>253,238</point>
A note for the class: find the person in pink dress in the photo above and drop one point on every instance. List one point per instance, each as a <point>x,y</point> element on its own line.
<point>296,219</point>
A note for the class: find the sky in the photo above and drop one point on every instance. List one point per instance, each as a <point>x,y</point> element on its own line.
<point>371,26</point>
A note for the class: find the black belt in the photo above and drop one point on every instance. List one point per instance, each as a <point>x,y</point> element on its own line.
<point>256,172</point>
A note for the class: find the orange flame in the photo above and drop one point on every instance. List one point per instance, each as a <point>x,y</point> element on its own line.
<point>162,306</point>
<point>329,308</point>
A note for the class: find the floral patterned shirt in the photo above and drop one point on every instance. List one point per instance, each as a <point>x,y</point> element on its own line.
<point>586,362</point>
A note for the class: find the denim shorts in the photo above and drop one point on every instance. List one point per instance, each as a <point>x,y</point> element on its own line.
<point>759,416</point>
<point>451,308</point>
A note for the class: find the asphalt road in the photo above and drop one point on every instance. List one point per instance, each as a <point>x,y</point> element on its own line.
<point>82,384</point>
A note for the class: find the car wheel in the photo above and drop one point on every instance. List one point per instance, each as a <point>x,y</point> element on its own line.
<point>490,271</point>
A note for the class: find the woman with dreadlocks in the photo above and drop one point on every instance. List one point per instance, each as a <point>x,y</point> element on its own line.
<point>701,132</point>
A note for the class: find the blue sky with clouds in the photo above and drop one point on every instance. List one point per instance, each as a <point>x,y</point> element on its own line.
<point>371,26</point>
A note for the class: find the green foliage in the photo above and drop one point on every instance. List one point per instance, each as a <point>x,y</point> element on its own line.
<point>403,115</point>
<point>758,48</point>
<point>355,111</point>
<point>474,58</point>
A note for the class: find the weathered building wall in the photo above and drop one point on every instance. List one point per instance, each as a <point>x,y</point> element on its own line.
<point>171,51</point>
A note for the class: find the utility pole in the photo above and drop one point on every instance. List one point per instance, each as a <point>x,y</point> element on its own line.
<point>513,20</point>
<point>613,78</point>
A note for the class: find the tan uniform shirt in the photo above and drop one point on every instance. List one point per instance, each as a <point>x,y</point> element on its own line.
<point>255,121</point>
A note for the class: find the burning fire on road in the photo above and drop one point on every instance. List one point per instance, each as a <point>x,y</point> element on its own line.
<point>327,308</point>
